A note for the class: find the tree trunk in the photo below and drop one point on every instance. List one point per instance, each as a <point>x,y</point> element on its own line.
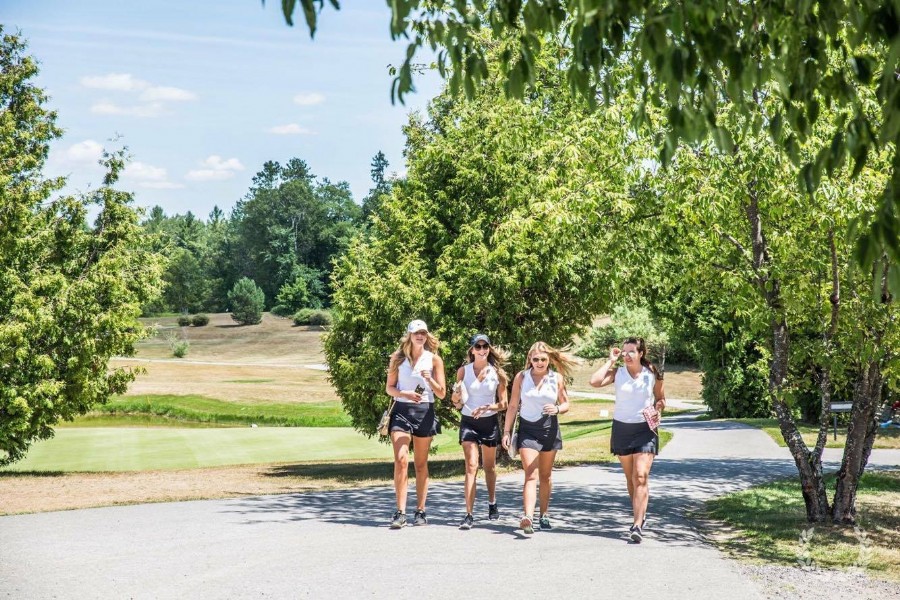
<point>809,464</point>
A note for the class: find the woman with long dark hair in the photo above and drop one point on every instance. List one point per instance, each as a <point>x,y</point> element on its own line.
<point>479,394</point>
<point>415,377</point>
<point>538,397</point>
<point>639,387</point>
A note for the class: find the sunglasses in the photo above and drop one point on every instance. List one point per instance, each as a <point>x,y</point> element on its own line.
<point>536,359</point>
<point>480,346</point>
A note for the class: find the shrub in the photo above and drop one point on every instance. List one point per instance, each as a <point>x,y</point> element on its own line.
<point>200,320</point>
<point>180,348</point>
<point>184,321</point>
<point>320,318</point>
<point>302,316</point>
<point>281,310</point>
<point>625,322</point>
<point>247,301</point>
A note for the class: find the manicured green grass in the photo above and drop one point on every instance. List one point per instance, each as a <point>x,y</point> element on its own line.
<point>201,409</point>
<point>131,449</point>
<point>769,523</point>
<point>885,438</point>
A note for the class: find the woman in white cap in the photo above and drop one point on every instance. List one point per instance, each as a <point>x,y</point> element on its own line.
<point>479,393</point>
<point>538,397</point>
<point>415,377</point>
<point>639,389</point>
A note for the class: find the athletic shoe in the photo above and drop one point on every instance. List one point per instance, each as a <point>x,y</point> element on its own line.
<point>493,512</point>
<point>636,535</point>
<point>544,522</point>
<point>419,518</point>
<point>398,521</point>
<point>526,525</point>
<point>466,522</point>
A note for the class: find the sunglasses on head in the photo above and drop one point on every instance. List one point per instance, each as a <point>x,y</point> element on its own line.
<point>480,346</point>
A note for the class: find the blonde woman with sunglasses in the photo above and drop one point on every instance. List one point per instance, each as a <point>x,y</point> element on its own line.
<point>639,386</point>
<point>538,397</point>
<point>479,394</point>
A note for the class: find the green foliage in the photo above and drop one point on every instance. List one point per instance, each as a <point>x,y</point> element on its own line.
<point>295,293</point>
<point>280,310</point>
<point>70,291</point>
<point>626,321</point>
<point>689,61</point>
<point>247,301</point>
<point>312,316</point>
<point>200,320</point>
<point>184,321</point>
<point>503,224</point>
<point>180,348</point>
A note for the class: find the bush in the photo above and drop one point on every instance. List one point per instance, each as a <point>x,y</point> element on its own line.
<point>320,318</point>
<point>184,321</point>
<point>280,310</point>
<point>200,320</point>
<point>180,348</point>
<point>302,316</point>
<point>247,301</point>
<point>625,322</point>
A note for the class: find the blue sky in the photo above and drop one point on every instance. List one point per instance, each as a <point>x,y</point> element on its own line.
<point>203,93</point>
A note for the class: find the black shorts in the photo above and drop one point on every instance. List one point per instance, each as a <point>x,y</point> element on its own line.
<point>416,418</point>
<point>543,435</point>
<point>632,438</point>
<point>484,431</point>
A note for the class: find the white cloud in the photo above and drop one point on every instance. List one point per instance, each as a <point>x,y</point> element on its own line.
<point>166,94</point>
<point>105,107</point>
<point>309,98</point>
<point>217,169</point>
<point>120,82</point>
<point>290,129</point>
<point>149,176</point>
<point>87,151</point>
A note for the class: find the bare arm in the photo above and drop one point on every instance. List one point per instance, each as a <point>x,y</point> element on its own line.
<point>456,396</point>
<point>437,380</point>
<point>513,409</point>
<point>393,392</point>
<point>606,374</point>
<point>660,395</point>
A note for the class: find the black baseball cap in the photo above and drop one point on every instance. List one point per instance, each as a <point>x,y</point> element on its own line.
<point>479,337</point>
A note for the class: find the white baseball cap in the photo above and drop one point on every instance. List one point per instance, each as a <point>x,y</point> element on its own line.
<point>417,325</point>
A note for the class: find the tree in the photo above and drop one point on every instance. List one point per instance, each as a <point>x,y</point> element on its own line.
<point>247,302</point>
<point>381,187</point>
<point>741,233</point>
<point>690,60</point>
<point>70,291</point>
<point>500,226</point>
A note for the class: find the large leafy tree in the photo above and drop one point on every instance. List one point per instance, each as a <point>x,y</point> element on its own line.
<point>503,225</point>
<point>690,59</point>
<point>70,291</point>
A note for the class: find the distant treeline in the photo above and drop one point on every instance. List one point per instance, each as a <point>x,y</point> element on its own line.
<point>283,235</point>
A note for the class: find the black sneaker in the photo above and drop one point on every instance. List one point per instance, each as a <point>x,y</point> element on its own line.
<point>493,512</point>
<point>398,520</point>
<point>419,518</point>
<point>544,522</point>
<point>466,522</point>
<point>636,535</point>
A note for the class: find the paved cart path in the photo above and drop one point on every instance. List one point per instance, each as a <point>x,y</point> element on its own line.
<point>337,544</point>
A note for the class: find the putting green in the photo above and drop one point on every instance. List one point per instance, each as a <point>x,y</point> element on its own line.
<point>137,449</point>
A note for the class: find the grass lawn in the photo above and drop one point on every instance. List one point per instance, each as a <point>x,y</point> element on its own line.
<point>769,523</point>
<point>885,438</point>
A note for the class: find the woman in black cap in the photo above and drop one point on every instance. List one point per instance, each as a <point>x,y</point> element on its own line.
<point>479,393</point>
<point>639,389</point>
<point>415,377</point>
<point>538,397</point>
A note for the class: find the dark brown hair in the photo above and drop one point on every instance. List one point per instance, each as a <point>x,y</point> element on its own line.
<point>642,352</point>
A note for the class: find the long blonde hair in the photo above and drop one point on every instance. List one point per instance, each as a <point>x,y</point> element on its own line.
<point>559,359</point>
<point>497,358</point>
<point>404,352</point>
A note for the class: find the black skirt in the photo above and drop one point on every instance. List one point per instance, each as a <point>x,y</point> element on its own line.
<point>543,435</point>
<point>633,438</point>
<point>484,431</point>
<point>416,418</point>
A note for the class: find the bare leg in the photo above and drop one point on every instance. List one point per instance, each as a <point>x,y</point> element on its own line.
<point>470,451</point>
<point>529,490</point>
<point>400,441</point>
<point>641,477</point>
<point>627,461</point>
<point>545,469</point>
<point>489,458</point>
<point>421,445</point>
